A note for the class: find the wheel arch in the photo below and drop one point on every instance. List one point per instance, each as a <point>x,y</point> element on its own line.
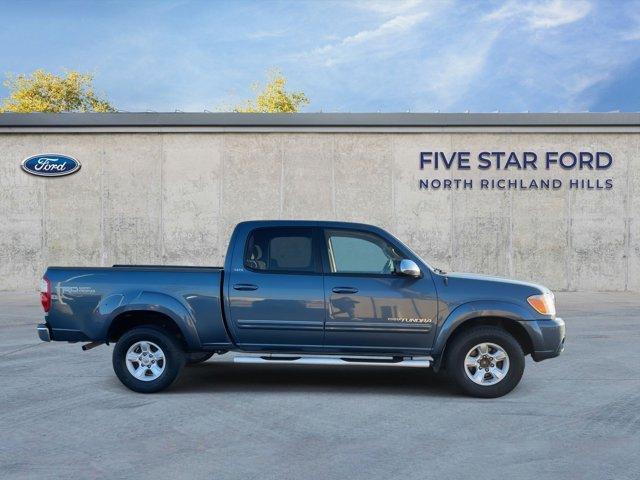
<point>131,319</point>
<point>502,315</point>
<point>148,308</point>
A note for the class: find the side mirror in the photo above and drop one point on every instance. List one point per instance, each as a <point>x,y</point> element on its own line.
<point>409,268</point>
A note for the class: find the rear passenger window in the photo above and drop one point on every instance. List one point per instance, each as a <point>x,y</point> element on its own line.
<point>281,250</point>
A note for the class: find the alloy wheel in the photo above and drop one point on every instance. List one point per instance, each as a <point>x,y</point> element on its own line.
<point>145,361</point>
<point>486,364</point>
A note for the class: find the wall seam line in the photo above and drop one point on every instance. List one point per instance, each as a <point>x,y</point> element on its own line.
<point>569,262</point>
<point>333,176</point>
<point>627,222</point>
<point>103,256</point>
<point>281,147</point>
<point>163,253</point>
<point>394,219</point>
<point>452,214</point>
<point>43,220</point>
<point>510,259</point>
<point>221,197</point>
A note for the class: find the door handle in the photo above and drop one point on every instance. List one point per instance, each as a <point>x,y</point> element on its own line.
<point>344,290</point>
<point>245,286</point>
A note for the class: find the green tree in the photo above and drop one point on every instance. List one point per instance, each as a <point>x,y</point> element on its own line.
<point>273,98</point>
<point>46,92</point>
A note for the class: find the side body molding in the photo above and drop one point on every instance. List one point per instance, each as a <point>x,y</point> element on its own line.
<point>475,309</point>
<point>114,305</point>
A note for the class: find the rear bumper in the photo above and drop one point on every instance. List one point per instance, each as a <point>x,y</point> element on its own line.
<point>548,338</point>
<point>43,332</point>
<point>48,334</point>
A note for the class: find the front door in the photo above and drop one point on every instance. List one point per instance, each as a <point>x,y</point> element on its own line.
<point>276,301</point>
<point>370,307</point>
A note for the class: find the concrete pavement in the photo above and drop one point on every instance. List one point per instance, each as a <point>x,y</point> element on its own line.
<point>63,413</point>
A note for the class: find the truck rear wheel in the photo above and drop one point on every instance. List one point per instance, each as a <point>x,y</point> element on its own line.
<point>485,362</point>
<point>147,359</point>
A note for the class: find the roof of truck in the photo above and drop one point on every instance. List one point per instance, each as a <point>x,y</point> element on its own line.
<point>304,223</point>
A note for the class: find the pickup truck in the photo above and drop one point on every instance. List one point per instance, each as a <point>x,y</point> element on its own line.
<point>305,292</point>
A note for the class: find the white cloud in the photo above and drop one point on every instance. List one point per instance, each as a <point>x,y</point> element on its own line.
<point>485,53</point>
<point>387,7</point>
<point>395,26</point>
<point>513,57</point>
<point>633,14</point>
<point>453,70</point>
<point>546,14</point>
<point>262,34</point>
<point>564,70</point>
<point>632,35</point>
<point>377,40</point>
<point>393,30</point>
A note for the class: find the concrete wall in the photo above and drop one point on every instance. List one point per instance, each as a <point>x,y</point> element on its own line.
<point>174,198</point>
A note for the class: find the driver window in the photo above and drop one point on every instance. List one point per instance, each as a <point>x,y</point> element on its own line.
<point>360,252</point>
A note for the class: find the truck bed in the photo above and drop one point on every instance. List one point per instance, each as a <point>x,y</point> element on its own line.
<point>91,301</point>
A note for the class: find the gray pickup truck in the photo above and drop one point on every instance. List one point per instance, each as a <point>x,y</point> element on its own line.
<point>305,292</point>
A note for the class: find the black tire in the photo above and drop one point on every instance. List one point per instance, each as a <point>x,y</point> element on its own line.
<point>463,343</point>
<point>174,357</point>
<point>199,357</point>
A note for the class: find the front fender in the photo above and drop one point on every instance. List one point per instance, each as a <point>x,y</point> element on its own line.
<point>114,305</point>
<point>476,309</point>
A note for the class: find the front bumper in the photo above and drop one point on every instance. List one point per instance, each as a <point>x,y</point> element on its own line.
<point>43,332</point>
<point>547,337</point>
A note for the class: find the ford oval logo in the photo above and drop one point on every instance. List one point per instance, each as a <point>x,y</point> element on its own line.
<point>51,165</point>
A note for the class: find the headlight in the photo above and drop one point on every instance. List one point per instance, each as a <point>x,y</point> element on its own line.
<point>543,303</point>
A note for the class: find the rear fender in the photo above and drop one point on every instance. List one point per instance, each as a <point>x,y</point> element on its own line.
<point>114,305</point>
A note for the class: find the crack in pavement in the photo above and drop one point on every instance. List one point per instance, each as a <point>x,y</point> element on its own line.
<point>19,349</point>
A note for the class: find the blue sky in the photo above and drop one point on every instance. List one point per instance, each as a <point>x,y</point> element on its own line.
<point>347,56</point>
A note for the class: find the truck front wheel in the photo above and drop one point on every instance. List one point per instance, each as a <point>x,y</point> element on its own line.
<point>485,362</point>
<point>147,359</point>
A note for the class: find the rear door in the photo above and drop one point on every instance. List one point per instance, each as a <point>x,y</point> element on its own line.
<point>371,308</point>
<point>276,300</point>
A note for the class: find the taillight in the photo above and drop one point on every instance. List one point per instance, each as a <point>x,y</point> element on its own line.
<point>45,293</point>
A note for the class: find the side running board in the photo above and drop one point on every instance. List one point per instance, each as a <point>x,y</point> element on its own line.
<point>335,360</point>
